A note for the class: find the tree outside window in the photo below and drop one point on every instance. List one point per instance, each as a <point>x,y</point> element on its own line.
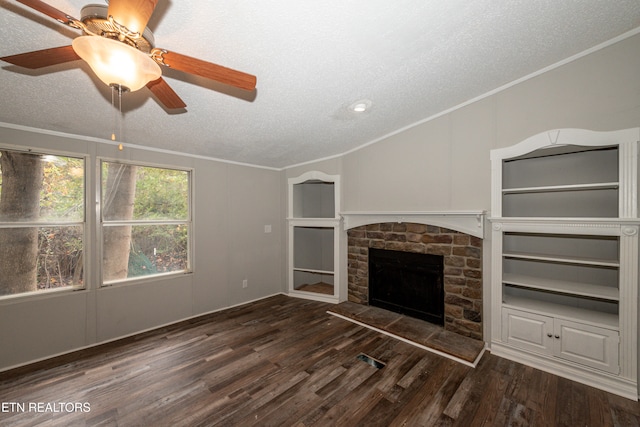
<point>145,221</point>
<point>42,216</point>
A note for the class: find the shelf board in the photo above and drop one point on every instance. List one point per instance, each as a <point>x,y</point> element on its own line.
<point>311,270</point>
<point>587,221</point>
<point>563,259</point>
<point>581,315</point>
<point>561,286</point>
<point>561,188</point>
<point>320,219</point>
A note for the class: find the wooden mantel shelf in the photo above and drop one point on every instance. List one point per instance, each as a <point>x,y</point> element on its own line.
<point>470,222</point>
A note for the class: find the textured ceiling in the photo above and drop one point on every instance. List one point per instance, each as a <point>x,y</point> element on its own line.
<point>411,59</point>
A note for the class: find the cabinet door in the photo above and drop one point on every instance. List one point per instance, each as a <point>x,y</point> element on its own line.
<point>528,331</point>
<point>588,345</point>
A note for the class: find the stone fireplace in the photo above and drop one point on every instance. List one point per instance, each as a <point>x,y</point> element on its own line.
<point>462,274</point>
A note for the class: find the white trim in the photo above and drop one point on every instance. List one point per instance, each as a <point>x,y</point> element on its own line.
<point>129,145</point>
<point>314,296</point>
<point>314,176</point>
<point>567,369</point>
<point>561,137</point>
<point>469,222</point>
<point>41,294</point>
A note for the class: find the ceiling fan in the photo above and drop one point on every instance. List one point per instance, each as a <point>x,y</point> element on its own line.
<point>119,48</point>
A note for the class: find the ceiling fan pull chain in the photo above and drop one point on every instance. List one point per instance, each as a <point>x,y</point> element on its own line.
<point>113,117</point>
<point>117,114</point>
<point>120,113</point>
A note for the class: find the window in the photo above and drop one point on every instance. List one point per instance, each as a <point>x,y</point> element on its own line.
<point>146,221</point>
<point>42,222</point>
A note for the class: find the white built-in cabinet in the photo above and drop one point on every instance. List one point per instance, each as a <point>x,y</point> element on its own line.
<point>564,276</point>
<point>314,237</point>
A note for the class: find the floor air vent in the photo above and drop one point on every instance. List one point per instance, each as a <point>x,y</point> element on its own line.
<point>371,361</point>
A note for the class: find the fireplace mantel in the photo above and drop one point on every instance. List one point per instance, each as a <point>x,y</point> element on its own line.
<point>470,222</point>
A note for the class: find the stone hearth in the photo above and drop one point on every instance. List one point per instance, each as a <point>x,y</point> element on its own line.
<point>462,267</point>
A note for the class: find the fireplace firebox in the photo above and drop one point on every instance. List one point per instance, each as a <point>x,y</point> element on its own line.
<point>407,283</point>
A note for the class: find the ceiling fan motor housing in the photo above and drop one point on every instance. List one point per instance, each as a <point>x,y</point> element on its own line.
<point>97,22</point>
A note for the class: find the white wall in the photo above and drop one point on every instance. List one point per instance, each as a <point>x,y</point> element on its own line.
<point>232,204</point>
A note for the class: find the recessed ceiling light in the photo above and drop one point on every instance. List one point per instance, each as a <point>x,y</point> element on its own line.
<point>360,106</point>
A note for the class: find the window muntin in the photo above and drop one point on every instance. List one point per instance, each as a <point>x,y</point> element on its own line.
<point>42,222</point>
<point>146,223</point>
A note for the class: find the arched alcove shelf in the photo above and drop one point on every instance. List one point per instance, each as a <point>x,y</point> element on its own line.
<point>314,237</point>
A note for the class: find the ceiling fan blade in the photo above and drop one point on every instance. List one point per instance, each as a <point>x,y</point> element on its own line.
<point>133,14</point>
<point>49,10</point>
<point>43,58</point>
<point>161,89</point>
<point>208,70</point>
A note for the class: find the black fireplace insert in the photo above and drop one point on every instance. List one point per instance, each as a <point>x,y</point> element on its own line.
<point>407,283</point>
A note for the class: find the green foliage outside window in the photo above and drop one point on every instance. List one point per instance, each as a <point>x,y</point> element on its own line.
<point>42,221</point>
<point>157,227</point>
<point>163,194</point>
<point>42,218</point>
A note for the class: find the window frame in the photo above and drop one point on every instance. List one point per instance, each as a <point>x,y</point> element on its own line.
<point>101,224</point>
<point>84,223</point>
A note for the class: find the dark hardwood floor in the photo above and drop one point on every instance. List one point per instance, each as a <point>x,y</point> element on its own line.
<point>285,361</point>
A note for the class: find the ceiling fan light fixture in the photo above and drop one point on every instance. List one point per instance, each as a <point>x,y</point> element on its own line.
<point>116,63</point>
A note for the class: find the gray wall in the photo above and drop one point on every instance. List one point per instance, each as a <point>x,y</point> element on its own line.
<point>443,164</point>
<point>232,205</point>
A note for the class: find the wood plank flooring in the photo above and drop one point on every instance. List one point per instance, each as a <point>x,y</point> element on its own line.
<point>286,362</point>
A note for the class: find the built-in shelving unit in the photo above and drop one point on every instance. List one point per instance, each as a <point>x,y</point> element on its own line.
<point>314,227</point>
<point>565,255</point>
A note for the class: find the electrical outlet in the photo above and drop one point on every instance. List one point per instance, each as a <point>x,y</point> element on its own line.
<point>245,283</point>
<point>267,228</point>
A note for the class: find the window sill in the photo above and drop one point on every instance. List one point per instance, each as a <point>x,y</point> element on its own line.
<point>36,295</point>
<point>145,279</point>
